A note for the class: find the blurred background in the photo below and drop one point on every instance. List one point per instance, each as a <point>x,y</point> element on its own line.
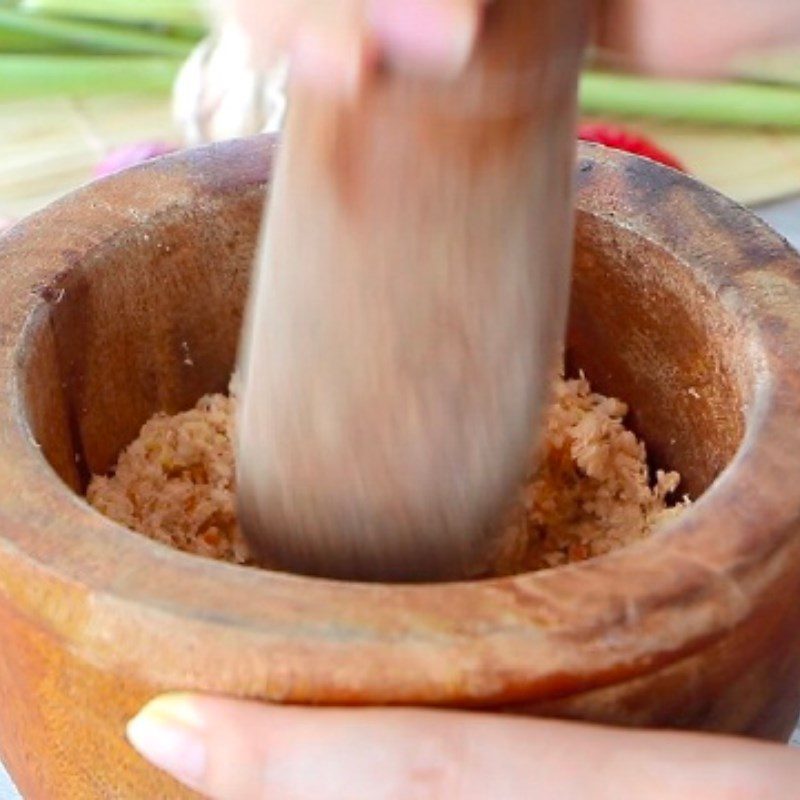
<point>87,86</point>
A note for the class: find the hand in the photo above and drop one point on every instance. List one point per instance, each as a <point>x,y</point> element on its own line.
<point>234,750</point>
<point>691,38</point>
<point>334,43</point>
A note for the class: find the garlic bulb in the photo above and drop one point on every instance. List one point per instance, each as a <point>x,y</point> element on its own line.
<point>218,95</point>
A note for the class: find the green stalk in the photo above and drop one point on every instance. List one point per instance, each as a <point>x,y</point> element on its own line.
<point>19,42</point>
<point>93,35</point>
<point>193,32</point>
<point>705,103</point>
<point>26,76</point>
<point>156,12</point>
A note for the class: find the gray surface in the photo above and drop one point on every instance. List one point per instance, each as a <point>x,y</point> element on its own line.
<point>784,216</point>
<point>7,791</point>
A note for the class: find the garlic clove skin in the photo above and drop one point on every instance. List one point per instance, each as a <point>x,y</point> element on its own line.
<point>219,96</point>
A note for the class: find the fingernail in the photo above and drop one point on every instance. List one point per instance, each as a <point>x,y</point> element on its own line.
<point>168,732</point>
<point>425,35</point>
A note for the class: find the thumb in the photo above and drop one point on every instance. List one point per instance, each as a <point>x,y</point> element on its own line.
<point>332,50</point>
<point>235,750</point>
<point>426,36</point>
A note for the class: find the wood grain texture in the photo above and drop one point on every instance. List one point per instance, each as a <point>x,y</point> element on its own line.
<point>409,308</point>
<point>694,320</point>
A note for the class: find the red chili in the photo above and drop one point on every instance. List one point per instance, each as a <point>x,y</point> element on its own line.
<point>620,139</point>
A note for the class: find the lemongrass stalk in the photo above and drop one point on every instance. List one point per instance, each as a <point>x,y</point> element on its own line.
<point>24,76</point>
<point>157,12</point>
<point>19,42</point>
<point>192,32</point>
<point>706,103</point>
<point>93,35</point>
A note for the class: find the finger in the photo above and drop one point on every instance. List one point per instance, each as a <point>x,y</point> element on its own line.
<point>229,749</point>
<point>333,45</point>
<point>431,37</point>
<point>265,29</point>
<point>683,38</point>
<point>331,59</point>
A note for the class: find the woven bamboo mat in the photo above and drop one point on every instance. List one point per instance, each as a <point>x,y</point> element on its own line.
<point>752,167</point>
<point>48,147</point>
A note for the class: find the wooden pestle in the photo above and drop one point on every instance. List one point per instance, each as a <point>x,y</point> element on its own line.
<point>408,308</point>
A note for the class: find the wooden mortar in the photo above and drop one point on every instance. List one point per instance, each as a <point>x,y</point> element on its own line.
<point>126,297</point>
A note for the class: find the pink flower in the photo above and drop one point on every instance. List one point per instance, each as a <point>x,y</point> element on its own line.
<point>131,155</point>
